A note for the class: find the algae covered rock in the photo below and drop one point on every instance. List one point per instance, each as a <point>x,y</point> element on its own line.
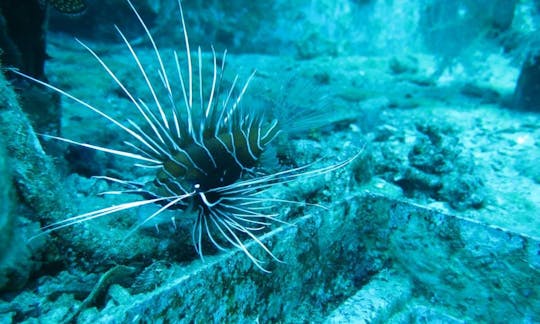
<point>6,216</point>
<point>33,171</point>
<point>24,166</point>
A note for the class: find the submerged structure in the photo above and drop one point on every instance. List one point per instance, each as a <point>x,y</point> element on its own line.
<point>248,201</point>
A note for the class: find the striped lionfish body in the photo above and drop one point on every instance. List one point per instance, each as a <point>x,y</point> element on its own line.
<point>203,145</point>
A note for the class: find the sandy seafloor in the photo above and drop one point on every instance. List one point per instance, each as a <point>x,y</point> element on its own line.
<point>417,134</point>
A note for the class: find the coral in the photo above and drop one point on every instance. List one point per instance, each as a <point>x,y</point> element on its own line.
<point>69,6</point>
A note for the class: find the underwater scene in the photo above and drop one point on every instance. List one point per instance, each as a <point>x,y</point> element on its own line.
<point>306,161</point>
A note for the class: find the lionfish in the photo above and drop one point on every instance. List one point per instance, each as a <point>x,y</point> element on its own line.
<point>204,147</point>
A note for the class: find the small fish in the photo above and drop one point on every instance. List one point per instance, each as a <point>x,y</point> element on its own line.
<point>71,7</point>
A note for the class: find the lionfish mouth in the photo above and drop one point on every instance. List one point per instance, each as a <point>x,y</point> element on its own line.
<point>204,147</point>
